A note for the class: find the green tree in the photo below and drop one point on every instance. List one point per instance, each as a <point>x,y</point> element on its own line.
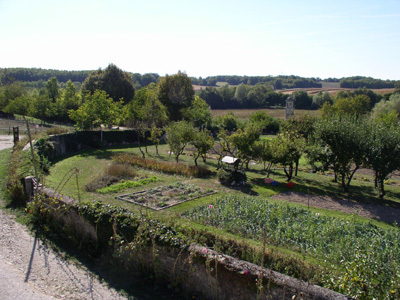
<point>244,142</point>
<point>53,89</point>
<point>115,82</point>
<point>199,113</point>
<point>302,100</point>
<point>179,135</point>
<point>153,112</point>
<point>69,100</point>
<point>303,128</point>
<point>258,95</point>
<point>228,122</point>
<point>382,152</point>
<point>268,124</point>
<point>155,136</point>
<point>357,105</point>
<point>387,107</point>
<point>241,92</point>
<point>263,152</point>
<point>39,107</point>
<point>319,99</point>
<point>286,150</point>
<point>19,105</point>
<point>10,92</point>
<point>202,142</point>
<point>176,93</point>
<point>97,109</point>
<point>342,140</point>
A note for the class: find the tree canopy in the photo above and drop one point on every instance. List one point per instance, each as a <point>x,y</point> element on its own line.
<point>176,93</point>
<point>115,82</point>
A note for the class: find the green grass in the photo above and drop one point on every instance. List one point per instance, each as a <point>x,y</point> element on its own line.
<point>4,158</point>
<point>93,163</point>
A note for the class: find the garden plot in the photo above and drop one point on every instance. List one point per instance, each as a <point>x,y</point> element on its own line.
<point>166,196</point>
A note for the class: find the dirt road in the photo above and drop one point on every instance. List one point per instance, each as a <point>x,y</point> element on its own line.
<point>31,270</point>
<point>6,141</point>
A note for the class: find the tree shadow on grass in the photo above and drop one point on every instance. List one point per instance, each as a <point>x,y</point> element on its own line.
<point>246,189</point>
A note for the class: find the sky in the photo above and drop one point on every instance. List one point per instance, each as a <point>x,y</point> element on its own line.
<point>306,38</point>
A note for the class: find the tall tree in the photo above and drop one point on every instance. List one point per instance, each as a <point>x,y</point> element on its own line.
<point>10,92</point>
<point>202,142</point>
<point>383,152</point>
<point>179,135</point>
<point>115,82</point>
<point>342,139</point>
<point>176,93</point>
<point>286,150</point>
<point>302,100</point>
<point>52,89</point>
<point>199,113</point>
<point>96,110</point>
<point>244,141</point>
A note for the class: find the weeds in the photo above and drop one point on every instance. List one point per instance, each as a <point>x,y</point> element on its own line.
<point>163,166</point>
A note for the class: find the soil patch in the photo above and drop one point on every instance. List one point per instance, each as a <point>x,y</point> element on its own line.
<point>166,196</point>
<point>367,210</point>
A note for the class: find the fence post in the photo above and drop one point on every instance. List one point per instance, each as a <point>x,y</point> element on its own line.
<point>16,134</point>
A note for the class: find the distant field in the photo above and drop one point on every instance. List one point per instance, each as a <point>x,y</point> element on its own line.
<point>331,90</point>
<point>331,87</point>
<point>278,113</point>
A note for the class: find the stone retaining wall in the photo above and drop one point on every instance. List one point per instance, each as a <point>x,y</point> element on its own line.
<point>198,270</point>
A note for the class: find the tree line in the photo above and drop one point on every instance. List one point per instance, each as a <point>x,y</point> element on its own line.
<point>368,82</point>
<point>31,75</point>
<point>277,82</point>
<point>357,128</point>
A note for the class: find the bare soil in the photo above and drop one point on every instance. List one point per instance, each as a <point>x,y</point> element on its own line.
<point>368,210</point>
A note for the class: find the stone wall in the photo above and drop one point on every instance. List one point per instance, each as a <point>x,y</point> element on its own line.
<point>69,143</point>
<point>198,270</point>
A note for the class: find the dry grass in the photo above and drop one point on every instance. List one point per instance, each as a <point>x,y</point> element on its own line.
<point>278,113</point>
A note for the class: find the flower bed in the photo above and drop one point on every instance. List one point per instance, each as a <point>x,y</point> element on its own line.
<point>166,196</point>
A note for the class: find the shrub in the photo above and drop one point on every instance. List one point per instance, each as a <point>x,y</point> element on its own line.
<point>57,130</point>
<point>163,166</point>
<point>20,165</point>
<point>121,170</point>
<point>101,182</point>
<point>227,177</point>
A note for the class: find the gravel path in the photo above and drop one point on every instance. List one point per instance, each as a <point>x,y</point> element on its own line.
<point>31,270</point>
<point>6,141</point>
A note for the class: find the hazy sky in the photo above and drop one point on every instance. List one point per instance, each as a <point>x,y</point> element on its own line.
<point>251,37</point>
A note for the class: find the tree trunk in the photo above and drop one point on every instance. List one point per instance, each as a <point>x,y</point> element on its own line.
<point>297,167</point>
<point>140,149</point>
<point>289,172</point>
<point>381,187</point>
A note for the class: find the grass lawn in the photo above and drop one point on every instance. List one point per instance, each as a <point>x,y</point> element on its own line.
<point>92,164</point>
